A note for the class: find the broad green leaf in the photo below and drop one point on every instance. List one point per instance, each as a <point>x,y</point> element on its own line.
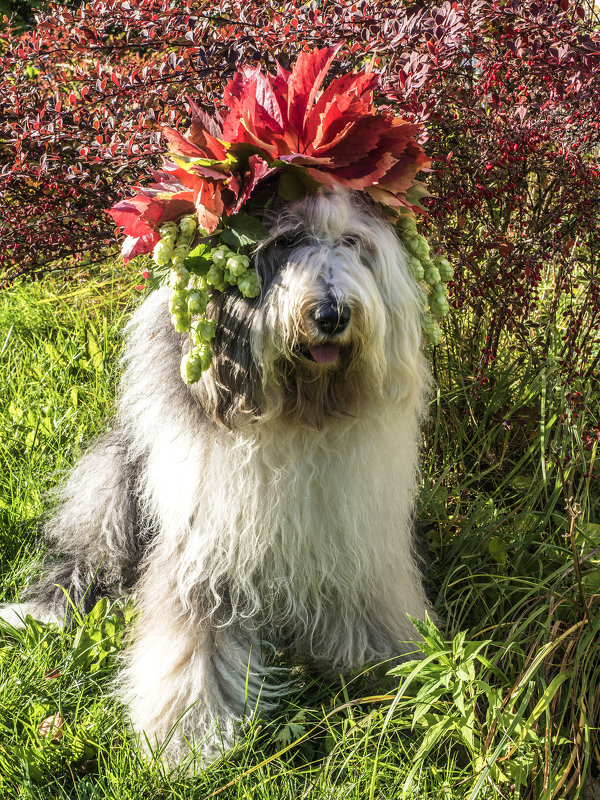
<point>497,550</point>
<point>458,695</point>
<point>466,671</point>
<point>243,230</point>
<point>425,700</point>
<point>198,261</point>
<point>458,642</point>
<point>295,181</point>
<point>591,532</point>
<point>467,728</point>
<point>546,698</point>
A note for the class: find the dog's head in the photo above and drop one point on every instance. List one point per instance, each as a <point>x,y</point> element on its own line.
<point>337,323</point>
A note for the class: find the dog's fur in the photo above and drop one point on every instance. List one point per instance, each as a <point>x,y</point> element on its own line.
<point>268,506</point>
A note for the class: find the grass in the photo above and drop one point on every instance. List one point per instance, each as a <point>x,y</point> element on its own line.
<point>505,702</point>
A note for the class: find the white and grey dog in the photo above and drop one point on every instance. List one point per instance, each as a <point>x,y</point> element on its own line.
<point>269,506</point>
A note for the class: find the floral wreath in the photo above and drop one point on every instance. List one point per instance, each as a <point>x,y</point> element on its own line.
<point>282,135</point>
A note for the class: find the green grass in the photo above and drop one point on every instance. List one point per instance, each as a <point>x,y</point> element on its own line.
<point>505,702</point>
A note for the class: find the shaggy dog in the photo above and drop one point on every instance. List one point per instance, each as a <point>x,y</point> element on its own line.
<point>267,507</point>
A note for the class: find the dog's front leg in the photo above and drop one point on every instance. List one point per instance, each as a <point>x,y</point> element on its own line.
<point>189,683</point>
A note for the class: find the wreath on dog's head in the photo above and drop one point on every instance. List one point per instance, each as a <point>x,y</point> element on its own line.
<point>282,135</point>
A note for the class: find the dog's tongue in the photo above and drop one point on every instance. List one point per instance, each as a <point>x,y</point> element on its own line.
<point>324,353</point>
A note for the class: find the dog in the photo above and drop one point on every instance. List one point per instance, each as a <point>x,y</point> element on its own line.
<point>268,507</point>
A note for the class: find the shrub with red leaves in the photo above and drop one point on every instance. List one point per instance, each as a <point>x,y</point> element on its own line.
<point>509,93</point>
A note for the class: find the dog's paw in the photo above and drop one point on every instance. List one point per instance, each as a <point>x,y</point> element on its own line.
<point>188,751</point>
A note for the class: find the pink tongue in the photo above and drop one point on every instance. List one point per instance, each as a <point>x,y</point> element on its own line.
<point>325,353</point>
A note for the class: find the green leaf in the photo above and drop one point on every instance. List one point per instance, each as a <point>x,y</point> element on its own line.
<point>458,643</point>
<point>98,613</point>
<point>198,260</point>
<point>94,349</point>
<point>458,695</point>
<point>425,699</point>
<point>289,733</point>
<point>290,187</point>
<point>31,762</point>
<point>243,230</point>
<point>490,761</point>
<point>546,698</point>
<point>295,181</point>
<point>433,640</point>
<point>292,730</point>
<point>416,193</point>
<point>591,532</point>
<point>472,650</point>
<point>433,736</point>
<point>188,163</point>
<point>497,550</point>
<point>466,671</point>
<point>467,727</point>
<point>523,482</point>
<point>82,651</point>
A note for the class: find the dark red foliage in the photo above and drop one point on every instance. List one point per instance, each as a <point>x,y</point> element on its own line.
<point>509,92</point>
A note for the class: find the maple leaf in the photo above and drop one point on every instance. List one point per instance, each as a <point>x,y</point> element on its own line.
<point>336,132</point>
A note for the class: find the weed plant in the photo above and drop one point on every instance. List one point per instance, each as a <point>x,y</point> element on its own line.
<point>503,703</point>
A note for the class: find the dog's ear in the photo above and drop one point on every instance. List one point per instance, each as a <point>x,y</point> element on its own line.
<point>235,392</point>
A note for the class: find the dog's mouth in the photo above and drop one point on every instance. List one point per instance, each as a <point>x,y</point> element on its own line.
<point>321,353</point>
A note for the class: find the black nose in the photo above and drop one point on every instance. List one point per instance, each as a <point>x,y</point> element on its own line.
<point>331,317</point>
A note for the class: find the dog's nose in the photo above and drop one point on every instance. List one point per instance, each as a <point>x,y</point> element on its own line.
<point>331,317</point>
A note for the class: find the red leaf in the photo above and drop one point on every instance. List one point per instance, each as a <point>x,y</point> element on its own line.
<point>305,81</point>
<point>259,170</point>
<point>358,138</point>
<point>137,246</point>
<point>342,94</point>
<point>136,214</point>
<point>181,146</point>
<point>203,123</point>
<point>176,208</point>
<point>267,106</point>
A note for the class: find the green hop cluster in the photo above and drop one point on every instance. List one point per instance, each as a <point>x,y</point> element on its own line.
<point>163,250</point>
<point>202,330</point>
<point>232,269</point>
<point>431,273</point>
<point>174,246</point>
<point>194,363</point>
<point>190,293</point>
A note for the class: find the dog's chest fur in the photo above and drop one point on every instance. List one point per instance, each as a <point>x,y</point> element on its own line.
<point>298,517</point>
